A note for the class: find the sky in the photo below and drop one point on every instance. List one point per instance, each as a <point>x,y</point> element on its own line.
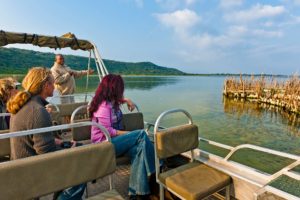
<point>195,36</point>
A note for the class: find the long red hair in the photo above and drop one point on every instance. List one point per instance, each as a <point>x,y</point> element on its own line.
<point>111,89</point>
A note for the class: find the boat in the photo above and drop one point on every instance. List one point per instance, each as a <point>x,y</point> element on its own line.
<point>238,181</point>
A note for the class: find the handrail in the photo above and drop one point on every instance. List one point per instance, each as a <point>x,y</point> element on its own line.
<point>55,128</point>
<point>176,110</point>
<point>148,124</point>
<point>276,191</point>
<point>86,106</point>
<point>136,107</point>
<point>268,178</point>
<point>56,107</point>
<point>262,149</point>
<point>5,114</point>
<point>224,146</point>
<point>258,148</point>
<point>67,95</point>
<point>284,171</point>
<point>249,146</point>
<point>75,112</point>
<point>156,126</point>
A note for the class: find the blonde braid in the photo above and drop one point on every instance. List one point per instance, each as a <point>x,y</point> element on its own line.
<point>33,84</point>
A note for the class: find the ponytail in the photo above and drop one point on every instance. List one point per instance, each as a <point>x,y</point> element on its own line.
<point>33,84</point>
<point>18,101</point>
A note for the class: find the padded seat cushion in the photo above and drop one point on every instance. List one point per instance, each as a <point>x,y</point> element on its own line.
<point>4,145</point>
<point>176,140</point>
<point>51,172</point>
<point>108,195</point>
<point>81,133</point>
<point>133,121</point>
<point>194,180</point>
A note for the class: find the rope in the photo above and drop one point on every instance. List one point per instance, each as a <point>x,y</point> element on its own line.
<point>76,41</point>
<point>4,36</point>
<point>25,38</point>
<point>57,43</point>
<point>32,39</point>
<point>87,77</point>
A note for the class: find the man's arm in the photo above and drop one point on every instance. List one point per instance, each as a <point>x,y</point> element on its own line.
<point>60,78</point>
<point>78,74</point>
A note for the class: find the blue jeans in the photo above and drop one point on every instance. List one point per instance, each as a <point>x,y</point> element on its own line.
<point>72,193</point>
<point>140,149</point>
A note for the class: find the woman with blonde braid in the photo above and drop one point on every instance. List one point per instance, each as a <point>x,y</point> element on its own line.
<point>29,112</point>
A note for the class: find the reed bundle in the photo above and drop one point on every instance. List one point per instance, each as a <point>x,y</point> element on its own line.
<point>284,93</point>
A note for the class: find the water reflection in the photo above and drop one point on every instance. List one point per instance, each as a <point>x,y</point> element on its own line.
<point>239,108</point>
<point>131,82</point>
<point>149,82</point>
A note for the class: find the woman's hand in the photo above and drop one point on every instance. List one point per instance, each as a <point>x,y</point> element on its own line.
<point>49,109</point>
<point>74,143</point>
<point>58,142</point>
<point>121,132</point>
<point>130,104</point>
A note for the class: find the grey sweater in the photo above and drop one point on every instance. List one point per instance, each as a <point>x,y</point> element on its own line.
<point>31,116</point>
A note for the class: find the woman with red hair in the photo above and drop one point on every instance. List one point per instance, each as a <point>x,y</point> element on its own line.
<point>105,109</point>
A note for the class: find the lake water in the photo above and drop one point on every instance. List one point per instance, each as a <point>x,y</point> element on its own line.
<point>226,121</point>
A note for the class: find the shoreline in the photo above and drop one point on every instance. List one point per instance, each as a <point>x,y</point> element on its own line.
<point>184,75</point>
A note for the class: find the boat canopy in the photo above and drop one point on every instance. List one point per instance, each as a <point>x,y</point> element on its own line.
<point>64,41</point>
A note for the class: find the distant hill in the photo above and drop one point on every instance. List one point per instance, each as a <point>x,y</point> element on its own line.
<point>18,61</point>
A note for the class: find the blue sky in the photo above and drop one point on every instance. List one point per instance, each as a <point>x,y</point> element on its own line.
<point>197,36</point>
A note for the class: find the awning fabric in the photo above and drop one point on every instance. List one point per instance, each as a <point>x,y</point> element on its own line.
<point>67,40</point>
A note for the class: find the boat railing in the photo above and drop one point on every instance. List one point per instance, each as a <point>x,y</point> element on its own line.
<point>263,179</point>
<point>55,128</point>
<point>57,99</point>
<point>4,114</point>
<point>137,109</point>
<point>53,105</point>
<point>76,111</point>
<point>247,173</point>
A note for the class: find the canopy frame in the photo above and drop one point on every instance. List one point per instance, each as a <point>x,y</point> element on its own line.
<point>67,41</point>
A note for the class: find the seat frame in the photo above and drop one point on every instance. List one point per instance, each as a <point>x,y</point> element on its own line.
<point>157,127</point>
<point>61,127</point>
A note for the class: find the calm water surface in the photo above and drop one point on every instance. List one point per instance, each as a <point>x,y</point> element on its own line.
<point>222,120</point>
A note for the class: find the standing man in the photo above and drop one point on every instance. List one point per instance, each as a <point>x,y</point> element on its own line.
<point>64,76</point>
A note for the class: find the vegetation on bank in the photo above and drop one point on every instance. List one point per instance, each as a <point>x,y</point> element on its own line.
<point>18,61</point>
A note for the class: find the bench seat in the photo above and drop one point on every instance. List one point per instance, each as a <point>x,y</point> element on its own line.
<point>194,180</point>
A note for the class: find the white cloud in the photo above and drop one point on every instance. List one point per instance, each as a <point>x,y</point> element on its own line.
<point>265,33</point>
<point>258,11</point>
<point>180,20</point>
<point>230,3</point>
<point>243,31</point>
<point>202,45</point>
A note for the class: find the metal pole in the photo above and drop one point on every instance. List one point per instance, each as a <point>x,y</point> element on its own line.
<point>97,66</point>
<point>100,61</point>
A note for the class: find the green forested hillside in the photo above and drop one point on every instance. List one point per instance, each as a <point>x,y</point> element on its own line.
<point>18,61</point>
